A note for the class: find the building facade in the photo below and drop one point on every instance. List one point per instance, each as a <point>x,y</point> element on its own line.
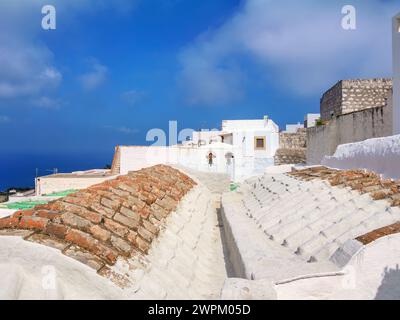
<point>310,120</point>
<point>241,149</point>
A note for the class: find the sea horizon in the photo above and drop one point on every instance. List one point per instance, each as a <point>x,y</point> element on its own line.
<point>19,170</point>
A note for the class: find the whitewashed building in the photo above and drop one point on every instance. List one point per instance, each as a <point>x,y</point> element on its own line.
<point>310,119</point>
<point>292,128</point>
<point>242,148</point>
<point>254,145</point>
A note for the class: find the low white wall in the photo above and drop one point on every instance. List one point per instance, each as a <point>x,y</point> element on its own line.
<point>136,158</point>
<point>376,269</point>
<point>354,127</point>
<point>49,185</point>
<point>380,155</point>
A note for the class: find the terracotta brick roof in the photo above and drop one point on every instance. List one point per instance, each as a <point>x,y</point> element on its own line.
<point>379,233</point>
<point>117,218</point>
<point>364,182</point>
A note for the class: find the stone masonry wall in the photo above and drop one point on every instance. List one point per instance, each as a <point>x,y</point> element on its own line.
<point>331,102</point>
<point>292,148</point>
<point>293,140</point>
<point>354,95</point>
<point>290,156</point>
<point>117,218</point>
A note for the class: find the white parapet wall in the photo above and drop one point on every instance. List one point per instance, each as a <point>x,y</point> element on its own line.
<point>227,159</point>
<point>380,155</point>
<point>134,158</point>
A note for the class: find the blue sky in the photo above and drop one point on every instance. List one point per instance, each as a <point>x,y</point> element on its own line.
<point>112,70</point>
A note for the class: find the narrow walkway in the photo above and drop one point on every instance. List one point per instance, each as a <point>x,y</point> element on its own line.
<point>187,260</point>
<point>217,183</point>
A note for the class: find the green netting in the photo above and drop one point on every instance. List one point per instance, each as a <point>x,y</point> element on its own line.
<point>62,193</point>
<point>31,204</point>
<point>22,205</point>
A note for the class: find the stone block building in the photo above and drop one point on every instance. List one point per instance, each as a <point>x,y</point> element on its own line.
<point>349,96</point>
<point>352,111</point>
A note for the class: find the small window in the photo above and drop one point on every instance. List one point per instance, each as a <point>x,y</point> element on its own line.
<point>259,143</point>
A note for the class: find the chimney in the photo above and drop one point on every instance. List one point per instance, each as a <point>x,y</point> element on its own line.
<point>266,119</point>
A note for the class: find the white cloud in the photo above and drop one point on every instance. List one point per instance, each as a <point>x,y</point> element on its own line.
<point>95,77</point>
<point>132,97</point>
<point>27,66</point>
<point>297,45</point>
<point>205,80</point>
<point>122,129</point>
<point>47,102</point>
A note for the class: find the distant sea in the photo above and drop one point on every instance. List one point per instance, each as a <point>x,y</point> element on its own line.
<point>19,170</point>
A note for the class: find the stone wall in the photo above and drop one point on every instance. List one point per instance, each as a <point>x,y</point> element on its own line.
<point>354,127</point>
<point>293,140</point>
<point>290,156</point>
<point>117,218</point>
<point>292,148</point>
<point>354,95</point>
<point>331,102</point>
